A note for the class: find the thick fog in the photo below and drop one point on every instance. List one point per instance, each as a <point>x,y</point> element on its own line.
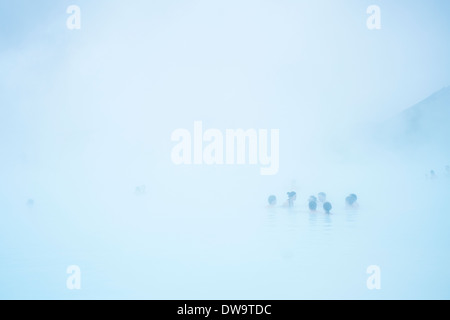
<point>87,122</point>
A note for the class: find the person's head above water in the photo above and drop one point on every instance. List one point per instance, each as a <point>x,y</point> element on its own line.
<point>272,200</point>
<point>322,196</point>
<point>327,207</point>
<point>312,198</point>
<point>292,196</point>
<point>312,205</point>
<point>351,199</point>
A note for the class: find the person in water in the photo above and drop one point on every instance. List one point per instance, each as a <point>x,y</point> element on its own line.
<point>292,196</point>
<point>312,206</point>
<point>433,175</point>
<point>322,196</point>
<point>312,199</point>
<point>272,201</point>
<point>30,203</point>
<point>352,201</point>
<point>327,207</point>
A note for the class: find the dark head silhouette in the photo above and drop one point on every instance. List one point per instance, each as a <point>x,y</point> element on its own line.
<point>272,200</point>
<point>349,201</point>
<point>292,196</point>
<point>327,207</point>
<point>322,197</point>
<point>312,205</point>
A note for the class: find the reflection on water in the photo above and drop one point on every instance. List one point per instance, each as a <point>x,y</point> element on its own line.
<point>303,231</point>
<point>130,248</point>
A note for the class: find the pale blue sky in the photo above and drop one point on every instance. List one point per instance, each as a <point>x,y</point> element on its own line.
<point>138,70</point>
<point>271,62</point>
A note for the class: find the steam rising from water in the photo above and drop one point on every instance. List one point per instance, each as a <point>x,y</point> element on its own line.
<point>87,177</point>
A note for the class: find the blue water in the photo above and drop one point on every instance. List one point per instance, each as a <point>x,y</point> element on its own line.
<point>130,246</point>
